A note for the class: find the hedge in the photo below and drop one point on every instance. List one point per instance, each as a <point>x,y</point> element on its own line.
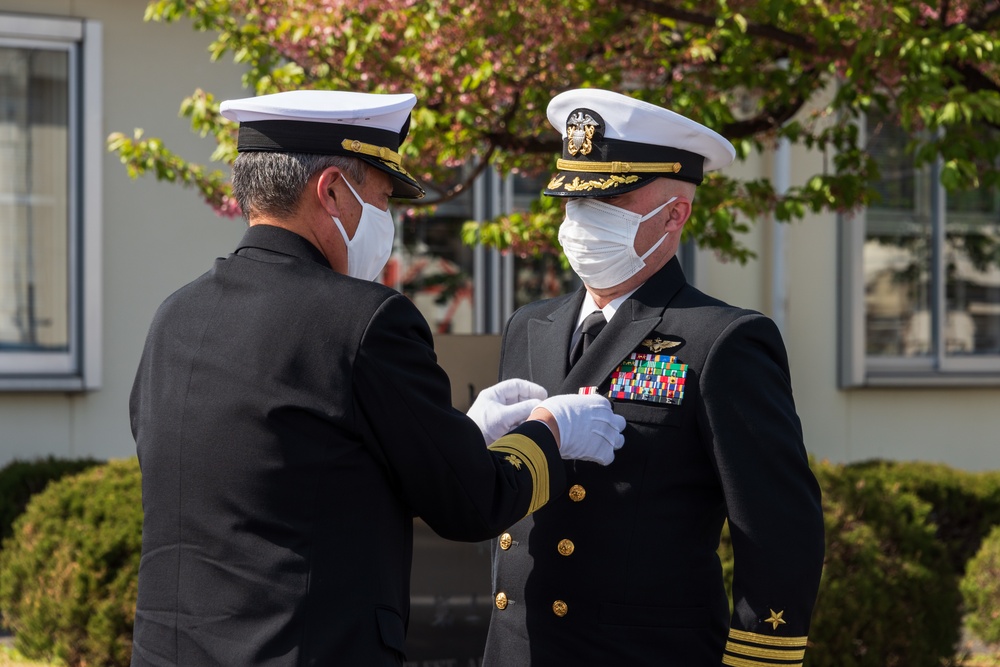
<point>899,537</point>
<point>68,573</point>
<point>981,590</point>
<point>20,480</point>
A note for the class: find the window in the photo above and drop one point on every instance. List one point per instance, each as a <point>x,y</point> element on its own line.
<point>465,290</point>
<point>50,166</point>
<point>921,298</point>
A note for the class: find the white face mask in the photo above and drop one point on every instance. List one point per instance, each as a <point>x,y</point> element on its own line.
<point>599,241</point>
<point>371,246</point>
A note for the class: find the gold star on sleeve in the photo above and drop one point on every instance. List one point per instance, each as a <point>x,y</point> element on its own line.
<point>775,620</point>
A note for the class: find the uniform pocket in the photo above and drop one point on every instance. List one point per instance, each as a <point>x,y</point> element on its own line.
<point>390,627</point>
<point>648,412</point>
<point>640,616</point>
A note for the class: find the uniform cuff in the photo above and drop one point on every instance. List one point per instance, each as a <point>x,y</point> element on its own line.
<point>532,447</point>
<point>750,649</point>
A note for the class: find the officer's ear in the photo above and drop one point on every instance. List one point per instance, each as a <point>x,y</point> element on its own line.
<point>680,211</point>
<point>328,191</point>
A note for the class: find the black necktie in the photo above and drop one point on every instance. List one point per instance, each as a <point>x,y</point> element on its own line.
<point>592,325</point>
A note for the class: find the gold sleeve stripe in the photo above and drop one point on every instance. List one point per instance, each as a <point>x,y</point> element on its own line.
<point>773,654</point>
<point>617,167</point>
<point>528,451</point>
<point>743,662</point>
<point>767,640</point>
<point>381,152</point>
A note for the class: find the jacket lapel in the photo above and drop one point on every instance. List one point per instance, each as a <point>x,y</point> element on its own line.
<point>548,343</point>
<point>637,317</point>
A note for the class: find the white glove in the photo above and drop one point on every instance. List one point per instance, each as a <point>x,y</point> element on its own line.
<point>505,405</point>
<point>588,429</point>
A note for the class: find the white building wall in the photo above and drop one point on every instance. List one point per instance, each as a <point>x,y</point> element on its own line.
<point>956,426</point>
<point>156,236</point>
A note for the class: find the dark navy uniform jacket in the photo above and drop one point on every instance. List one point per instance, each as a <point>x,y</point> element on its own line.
<point>290,421</point>
<point>622,570</point>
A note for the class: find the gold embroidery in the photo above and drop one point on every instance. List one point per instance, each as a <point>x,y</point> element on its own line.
<point>390,158</point>
<point>514,461</point>
<point>733,661</point>
<point>775,620</point>
<point>381,152</point>
<point>766,640</point>
<point>530,454</point>
<point>618,167</point>
<point>611,182</point>
<point>774,654</point>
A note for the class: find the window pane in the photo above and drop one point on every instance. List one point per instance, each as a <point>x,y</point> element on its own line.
<point>897,252</point>
<point>972,274</point>
<point>34,229</point>
<point>545,277</point>
<point>435,268</point>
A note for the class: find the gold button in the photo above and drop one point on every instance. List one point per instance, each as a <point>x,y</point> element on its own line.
<point>505,541</point>
<point>566,547</point>
<point>559,608</point>
<point>577,493</point>
<point>501,600</point>
<point>356,146</point>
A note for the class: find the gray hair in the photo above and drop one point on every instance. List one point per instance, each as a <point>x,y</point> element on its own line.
<point>271,184</point>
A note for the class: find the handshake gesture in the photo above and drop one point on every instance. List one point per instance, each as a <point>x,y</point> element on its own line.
<point>585,426</point>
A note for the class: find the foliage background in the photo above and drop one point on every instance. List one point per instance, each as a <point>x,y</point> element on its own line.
<point>756,71</point>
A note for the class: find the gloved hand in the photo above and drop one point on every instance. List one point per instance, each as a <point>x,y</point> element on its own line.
<point>505,405</point>
<point>588,429</point>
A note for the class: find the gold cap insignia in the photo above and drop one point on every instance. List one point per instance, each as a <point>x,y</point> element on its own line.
<point>580,129</point>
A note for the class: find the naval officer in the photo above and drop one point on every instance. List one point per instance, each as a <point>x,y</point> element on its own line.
<point>622,569</point>
<point>290,417</point>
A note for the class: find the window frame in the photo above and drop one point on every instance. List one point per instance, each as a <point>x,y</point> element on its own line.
<point>79,368</point>
<point>938,369</point>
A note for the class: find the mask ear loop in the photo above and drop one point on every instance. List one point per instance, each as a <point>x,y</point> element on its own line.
<point>662,238</point>
<point>337,221</point>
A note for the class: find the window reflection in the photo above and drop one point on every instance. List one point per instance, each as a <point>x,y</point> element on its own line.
<point>434,268</point>
<point>543,277</point>
<point>901,249</point>
<point>34,229</point>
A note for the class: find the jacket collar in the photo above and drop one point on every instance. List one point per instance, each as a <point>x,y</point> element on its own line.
<point>637,317</point>
<point>283,241</point>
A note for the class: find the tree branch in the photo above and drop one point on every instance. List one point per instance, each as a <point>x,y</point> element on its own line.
<point>974,79</point>
<point>773,33</point>
<point>986,19</point>
<point>459,188</point>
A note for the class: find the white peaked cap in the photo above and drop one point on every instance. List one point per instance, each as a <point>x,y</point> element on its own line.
<point>613,143</point>
<point>367,126</point>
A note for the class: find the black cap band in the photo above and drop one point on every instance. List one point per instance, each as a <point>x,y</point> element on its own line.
<point>299,136</point>
<point>692,165</point>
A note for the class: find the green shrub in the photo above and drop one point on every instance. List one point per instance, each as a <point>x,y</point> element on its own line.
<point>20,480</point>
<point>981,590</point>
<point>68,574</point>
<point>964,505</point>
<point>888,597</point>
